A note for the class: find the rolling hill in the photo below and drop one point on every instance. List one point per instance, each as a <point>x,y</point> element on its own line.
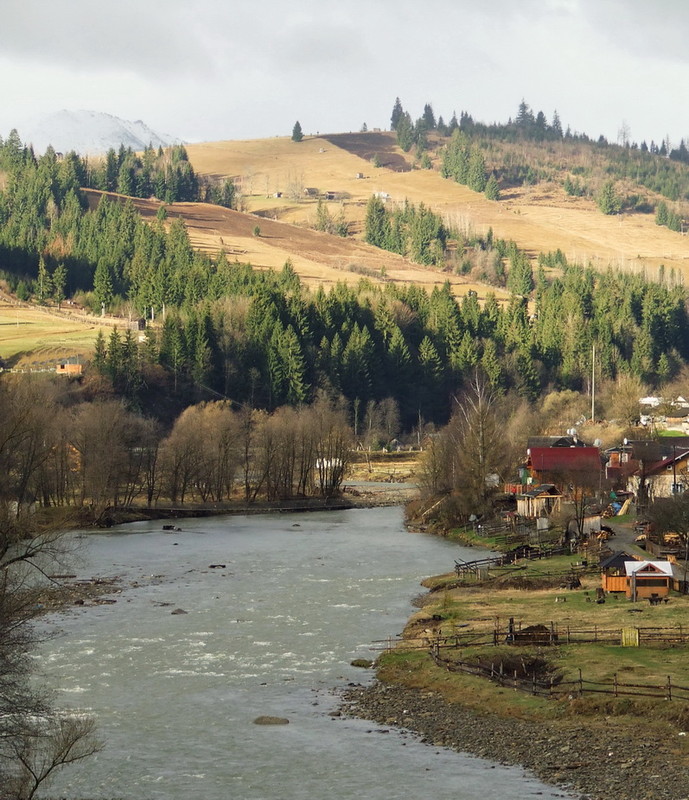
<point>539,218</point>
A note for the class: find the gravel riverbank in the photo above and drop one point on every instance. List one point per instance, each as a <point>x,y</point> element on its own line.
<point>590,760</point>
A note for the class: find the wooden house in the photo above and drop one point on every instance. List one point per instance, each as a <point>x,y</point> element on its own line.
<point>613,572</point>
<point>646,579</point>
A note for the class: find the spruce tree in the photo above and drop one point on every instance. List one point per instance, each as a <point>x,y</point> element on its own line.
<point>297,134</point>
<point>397,112</point>
<point>492,191</point>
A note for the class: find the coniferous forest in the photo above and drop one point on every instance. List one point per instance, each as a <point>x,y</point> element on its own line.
<point>264,339</point>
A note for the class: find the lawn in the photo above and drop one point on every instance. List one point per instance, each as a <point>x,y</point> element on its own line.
<point>30,337</point>
<point>450,609</point>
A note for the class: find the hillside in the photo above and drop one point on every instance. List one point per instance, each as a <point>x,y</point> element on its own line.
<point>539,218</point>
<point>318,258</point>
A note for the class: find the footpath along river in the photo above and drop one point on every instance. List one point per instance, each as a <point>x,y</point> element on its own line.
<point>270,633</point>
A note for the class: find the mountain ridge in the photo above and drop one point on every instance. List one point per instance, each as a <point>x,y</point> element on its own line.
<point>91,133</point>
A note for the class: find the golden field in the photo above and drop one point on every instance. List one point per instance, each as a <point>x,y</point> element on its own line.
<point>538,218</point>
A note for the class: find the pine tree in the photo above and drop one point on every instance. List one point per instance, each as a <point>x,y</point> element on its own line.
<point>297,134</point>
<point>492,190</point>
<point>405,132</point>
<point>59,281</point>
<point>42,281</point>
<point>397,112</point>
<point>103,284</point>
<point>377,223</point>
<point>661,213</point>
<point>100,352</point>
<point>428,117</point>
<point>476,177</point>
<point>608,200</point>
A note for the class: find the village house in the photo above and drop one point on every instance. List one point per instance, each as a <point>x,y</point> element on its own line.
<point>648,579</point>
<point>641,579</point>
<point>613,572</point>
<point>664,477</point>
<point>562,466</point>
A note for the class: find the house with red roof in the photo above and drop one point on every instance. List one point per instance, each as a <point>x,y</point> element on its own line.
<point>561,464</point>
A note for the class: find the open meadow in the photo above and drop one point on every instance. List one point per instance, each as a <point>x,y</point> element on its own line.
<point>33,337</point>
<point>539,218</point>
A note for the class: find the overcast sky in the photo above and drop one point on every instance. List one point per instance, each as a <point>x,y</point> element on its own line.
<point>204,70</point>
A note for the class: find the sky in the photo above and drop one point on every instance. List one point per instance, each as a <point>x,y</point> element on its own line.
<point>208,70</point>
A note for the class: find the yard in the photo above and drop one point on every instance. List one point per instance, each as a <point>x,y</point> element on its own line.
<point>453,614</point>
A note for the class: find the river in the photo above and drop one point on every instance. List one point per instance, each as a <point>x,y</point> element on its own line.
<point>270,633</point>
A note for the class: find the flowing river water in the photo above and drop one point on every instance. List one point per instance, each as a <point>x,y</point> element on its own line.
<point>270,633</point>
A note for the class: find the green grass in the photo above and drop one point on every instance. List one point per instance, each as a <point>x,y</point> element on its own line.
<point>31,334</point>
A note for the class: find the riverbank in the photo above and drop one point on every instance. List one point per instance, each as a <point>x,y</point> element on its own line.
<point>360,495</point>
<point>596,747</point>
<point>595,760</point>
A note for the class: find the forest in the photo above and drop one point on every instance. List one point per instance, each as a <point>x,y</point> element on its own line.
<point>262,338</point>
<point>491,157</point>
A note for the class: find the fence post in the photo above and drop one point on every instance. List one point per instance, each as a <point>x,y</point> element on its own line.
<point>669,688</point>
<point>533,683</point>
<point>581,684</point>
<point>568,635</point>
<point>615,684</point>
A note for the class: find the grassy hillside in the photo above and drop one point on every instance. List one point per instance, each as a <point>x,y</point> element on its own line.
<point>539,218</point>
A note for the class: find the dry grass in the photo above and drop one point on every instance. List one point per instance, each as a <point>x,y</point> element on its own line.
<point>478,609</point>
<point>541,218</point>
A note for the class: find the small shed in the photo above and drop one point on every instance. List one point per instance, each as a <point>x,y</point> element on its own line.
<point>646,579</point>
<point>69,369</point>
<point>538,501</point>
<point>613,572</point>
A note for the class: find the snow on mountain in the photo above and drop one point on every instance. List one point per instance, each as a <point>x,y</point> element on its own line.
<point>90,132</point>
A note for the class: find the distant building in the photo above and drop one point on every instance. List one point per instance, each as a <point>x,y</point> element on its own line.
<point>69,369</point>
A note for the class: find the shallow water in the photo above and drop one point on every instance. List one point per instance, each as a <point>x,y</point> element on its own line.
<point>273,632</point>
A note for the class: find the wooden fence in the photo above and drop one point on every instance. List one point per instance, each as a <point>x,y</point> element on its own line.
<point>541,634</point>
<point>554,688</point>
<point>481,565</point>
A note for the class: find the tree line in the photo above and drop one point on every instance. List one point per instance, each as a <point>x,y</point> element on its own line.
<point>92,455</point>
<point>271,342</point>
<point>659,168</point>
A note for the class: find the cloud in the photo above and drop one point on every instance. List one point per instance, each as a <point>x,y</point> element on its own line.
<point>149,38</point>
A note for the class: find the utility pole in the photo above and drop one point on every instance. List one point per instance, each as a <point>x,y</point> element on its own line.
<point>593,384</point>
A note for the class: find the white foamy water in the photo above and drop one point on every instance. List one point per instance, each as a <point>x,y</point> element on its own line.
<point>175,695</point>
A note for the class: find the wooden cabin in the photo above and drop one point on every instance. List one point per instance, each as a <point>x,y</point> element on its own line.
<point>646,579</point>
<point>613,572</point>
